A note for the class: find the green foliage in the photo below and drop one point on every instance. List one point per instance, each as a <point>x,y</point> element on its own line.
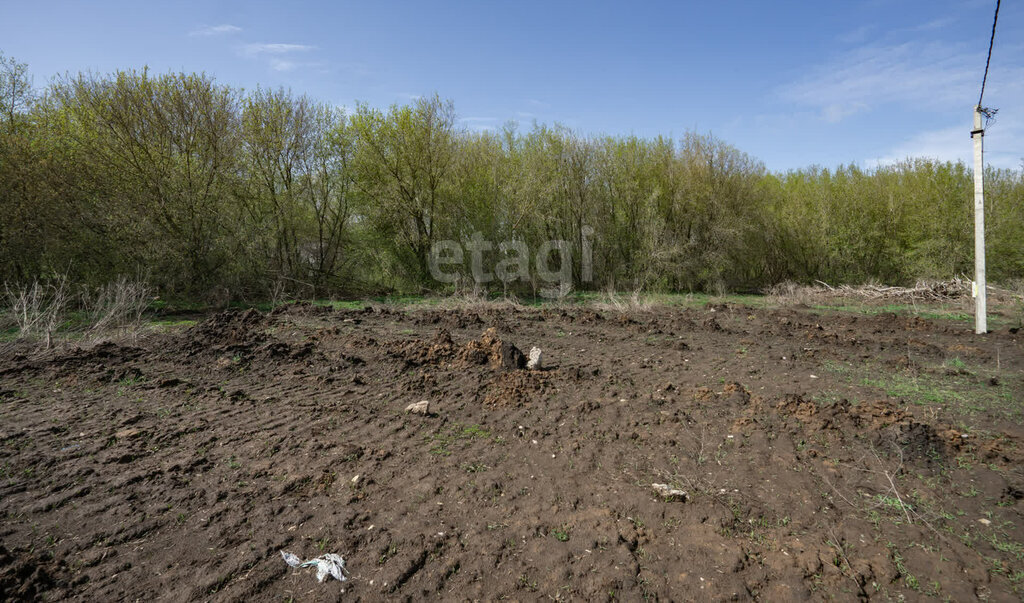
<point>296,192</point>
<point>402,161</point>
<point>561,534</point>
<point>217,194</point>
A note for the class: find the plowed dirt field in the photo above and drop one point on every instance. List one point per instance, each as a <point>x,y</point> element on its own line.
<point>823,456</point>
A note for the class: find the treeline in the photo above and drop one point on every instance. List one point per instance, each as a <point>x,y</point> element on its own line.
<point>213,192</point>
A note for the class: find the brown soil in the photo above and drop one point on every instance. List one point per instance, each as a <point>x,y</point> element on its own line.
<point>178,467</point>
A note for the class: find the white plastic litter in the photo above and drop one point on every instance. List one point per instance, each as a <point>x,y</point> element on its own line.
<point>326,565</point>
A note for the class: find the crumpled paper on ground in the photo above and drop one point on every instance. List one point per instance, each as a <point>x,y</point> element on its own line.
<point>329,564</point>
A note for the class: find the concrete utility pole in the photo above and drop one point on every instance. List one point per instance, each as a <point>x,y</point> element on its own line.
<point>978,135</point>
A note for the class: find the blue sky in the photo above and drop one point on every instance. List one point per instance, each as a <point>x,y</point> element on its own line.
<point>792,83</point>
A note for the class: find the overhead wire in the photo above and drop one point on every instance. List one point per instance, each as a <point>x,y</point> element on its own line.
<point>988,59</point>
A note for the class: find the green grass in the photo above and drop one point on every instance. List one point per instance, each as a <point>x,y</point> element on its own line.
<point>399,301</point>
<point>701,300</point>
<point>578,298</point>
<point>956,363</point>
<point>897,559</point>
<point>341,305</point>
<point>966,390</point>
<point>176,306</point>
<point>171,323</point>
<point>1006,546</point>
<point>892,503</point>
<point>926,311</point>
<point>169,315</point>
<point>585,298</point>
<point>442,441</point>
<point>959,393</point>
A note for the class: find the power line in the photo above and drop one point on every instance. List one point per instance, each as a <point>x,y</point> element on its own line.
<point>989,59</point>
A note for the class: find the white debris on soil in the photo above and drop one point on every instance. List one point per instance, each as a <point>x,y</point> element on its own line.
<point>667,491</point>
<point>419,408</point>
<point>984,522</point>
<point>326,565</point>
<point>535,362</point>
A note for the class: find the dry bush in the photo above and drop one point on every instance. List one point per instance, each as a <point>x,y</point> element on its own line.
<point>476,300</point>
<point>615,302</point>
<point>37,309</point>
<point>117,306</point>
<point>49,312</point>
<point>790,293</point>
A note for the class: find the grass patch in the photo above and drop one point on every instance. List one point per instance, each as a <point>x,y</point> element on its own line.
<point>171,323</point>
<point>702,300</point>
<point>952,385</point>
<point>928,312</point>
<point>577,298</point>
<point>441,442</point>
<point>959,393</point>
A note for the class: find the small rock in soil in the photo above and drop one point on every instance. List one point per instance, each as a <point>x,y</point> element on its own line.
<point>535,362</point>
<point>510,357</point>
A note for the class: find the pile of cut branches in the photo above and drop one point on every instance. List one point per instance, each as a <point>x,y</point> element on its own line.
<point>957,289</point>
<point>952,289</point>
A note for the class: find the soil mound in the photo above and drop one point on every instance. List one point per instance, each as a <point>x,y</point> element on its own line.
<point>515,389</point>
<point>232,329</point>
<point>489,350</point>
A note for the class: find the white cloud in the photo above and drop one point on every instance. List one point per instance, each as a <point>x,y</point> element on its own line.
<point>920,75</point>
<point>934,24</point>
<point>215,30</point>
<point>277,55</point>
<point>915,82</point>
<point>946,144</point>
<point>282,65</point>
<point>1002,146</point>
<point>836,112</point>
<point>259,49</point>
